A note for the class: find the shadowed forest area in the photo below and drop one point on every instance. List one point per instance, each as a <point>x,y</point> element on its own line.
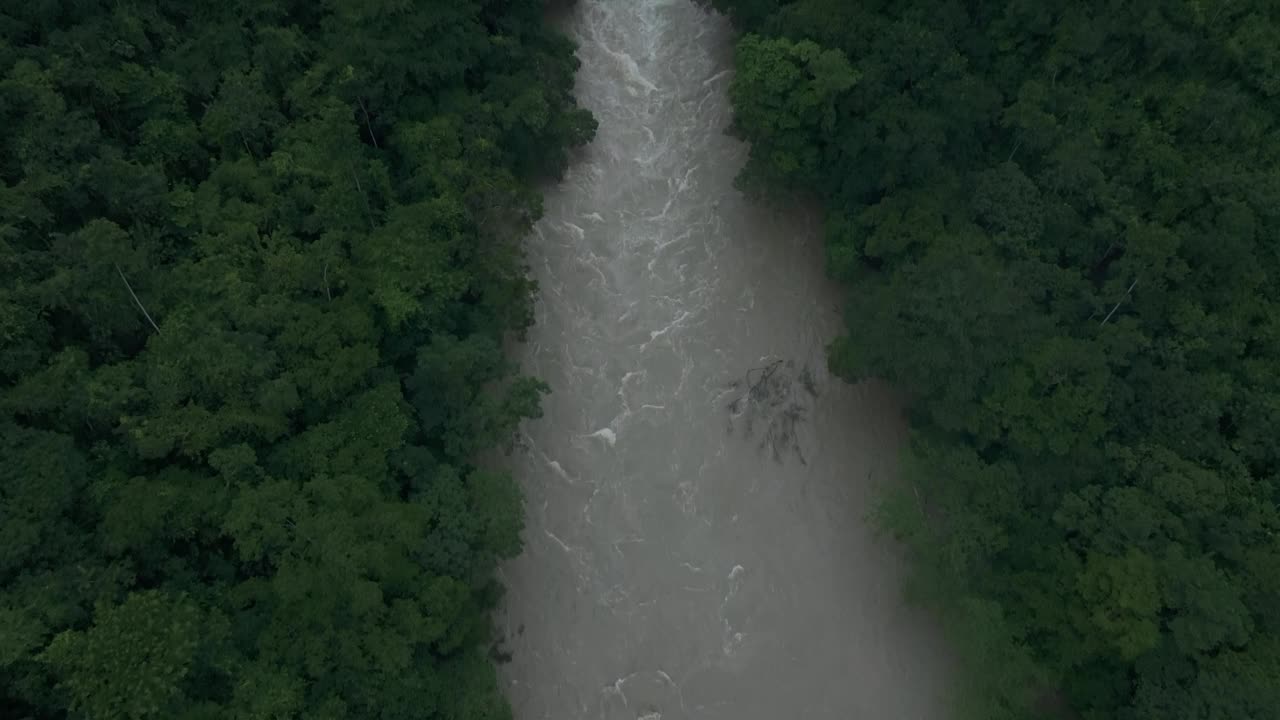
<point>259,261</point>
<point>1057,222</point>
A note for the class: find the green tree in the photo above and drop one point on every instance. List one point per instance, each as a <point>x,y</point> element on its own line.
<point>1054,221</point>
<point>136,657</point>
<point>263,259</point>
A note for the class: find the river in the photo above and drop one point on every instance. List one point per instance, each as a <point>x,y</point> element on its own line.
<point>696,543</point>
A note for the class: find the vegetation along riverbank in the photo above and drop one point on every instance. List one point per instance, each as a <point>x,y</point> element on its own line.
<point>1058,223</point>
<point>259,259</point>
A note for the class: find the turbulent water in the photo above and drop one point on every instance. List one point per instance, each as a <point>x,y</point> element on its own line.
<point>697,491</point>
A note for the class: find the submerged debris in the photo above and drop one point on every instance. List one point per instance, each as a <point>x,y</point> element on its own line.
<point>769,406</point>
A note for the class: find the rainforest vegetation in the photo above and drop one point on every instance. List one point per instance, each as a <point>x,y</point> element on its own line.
<point>1058,223</point>
<point>260,258</point>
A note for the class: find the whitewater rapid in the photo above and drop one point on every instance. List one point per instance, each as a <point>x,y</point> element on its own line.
<point>697,543</point>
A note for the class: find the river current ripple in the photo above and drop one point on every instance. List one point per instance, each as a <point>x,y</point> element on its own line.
<point>697,491</point>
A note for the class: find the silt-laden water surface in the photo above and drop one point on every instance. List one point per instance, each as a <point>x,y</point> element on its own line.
<point>697,491</point>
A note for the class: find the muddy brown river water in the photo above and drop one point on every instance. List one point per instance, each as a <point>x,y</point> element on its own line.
<point>697,491</point>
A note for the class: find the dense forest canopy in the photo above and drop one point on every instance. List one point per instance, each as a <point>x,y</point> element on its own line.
<point>1058,223</point>
<point>259,261</point>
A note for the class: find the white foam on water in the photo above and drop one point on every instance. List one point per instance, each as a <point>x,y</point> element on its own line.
<point>660,286</point>
<point>607,435</point>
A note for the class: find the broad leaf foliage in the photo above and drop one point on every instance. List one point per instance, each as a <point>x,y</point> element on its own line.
<point>260,259</point>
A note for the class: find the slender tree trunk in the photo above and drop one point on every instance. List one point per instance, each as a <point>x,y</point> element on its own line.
<point>135,298</point>
<point>1016,145</point>
<point>368,124</point>
<point>1117,307</point>
<point>368,211</point>
<point>245,141</point>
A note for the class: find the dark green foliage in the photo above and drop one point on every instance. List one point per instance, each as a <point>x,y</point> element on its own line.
<point>1058,223</point>
<point>260,262</point>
